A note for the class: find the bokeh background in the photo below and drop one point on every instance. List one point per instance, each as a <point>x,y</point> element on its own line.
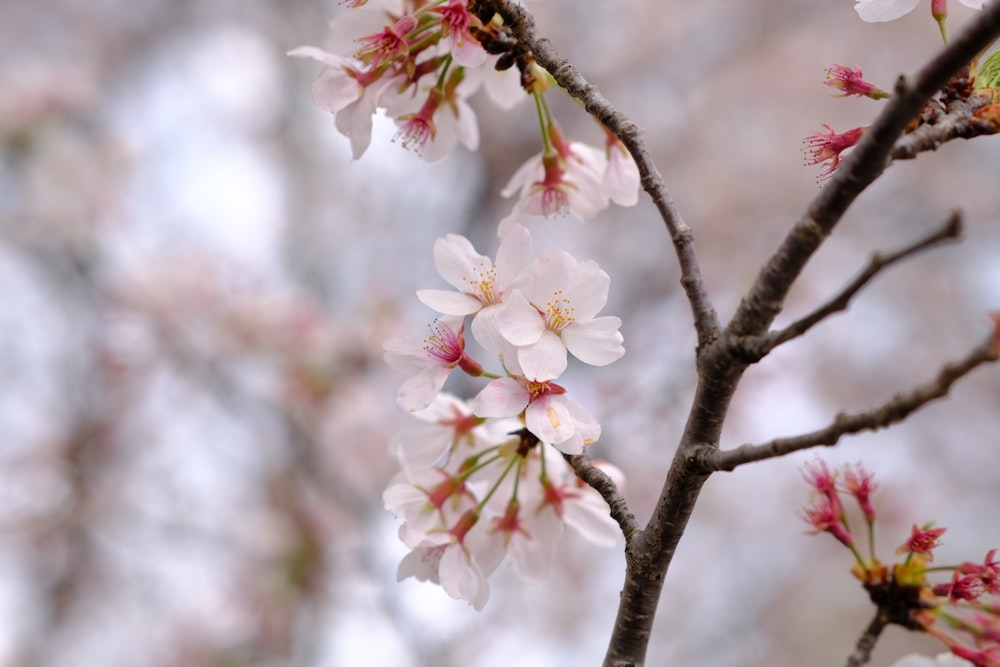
<point>196,280</point>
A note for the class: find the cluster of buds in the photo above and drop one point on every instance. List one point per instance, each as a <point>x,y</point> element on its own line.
<point>905,593</point>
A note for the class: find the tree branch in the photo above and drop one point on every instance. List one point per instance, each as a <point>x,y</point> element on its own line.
<point>720,362</point>
<point>860,168</point>
<point>866,642</point>
<point>958,124</point>
<point>891,412</point>
<point>951,230</point>
<point>601,482</point>
<point>569,78</point>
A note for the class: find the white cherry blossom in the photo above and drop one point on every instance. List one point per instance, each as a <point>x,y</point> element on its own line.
<point>550,185</point>
<point>482,284</point>
<point>430,360</point>
<point>452,566</point>
<point>549,414</point>
<point>555,312</point>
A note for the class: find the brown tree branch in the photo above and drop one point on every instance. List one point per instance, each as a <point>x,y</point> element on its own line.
<point>569,78</point>
<point>603,484</point>
<point>720,360</point>
<point>955,125</point>
<point>891,412</point>
<point>951,230</point>
<point>866,642</point>
<point>860,168</point>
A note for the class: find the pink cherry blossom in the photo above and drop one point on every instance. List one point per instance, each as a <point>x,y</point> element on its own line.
<point>431,360</point>
<point>446,559</point>
<point>349,94</point>
<point>428,501</point>
<point>581,507</point>
<point>437,127</point>
<point>456,21</point>
<point>482,284</point>
<point>441,427</point>
<point>621,176</point>
<point>556,185</point>
<point>555,312</point>
<point>549,414</point>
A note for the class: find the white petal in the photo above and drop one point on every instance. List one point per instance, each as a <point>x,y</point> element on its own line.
<point>502,397</point>
<point>621,178</point>
<point>530,172</point>
<point>519,322</point>
<point>421,445</point>
<point>487,333</point>
<point>418,391</point>
<point>457,261</point>
<point>533,556</point>
<point>588,290</point>
<point>549,419</point>
<point>421,563</point>
<point>514,255</point>
<point>462,579</point>
<point>596,342</point>
<point>543,360</point>
<point>448,302</point>
<point>400,498</point>
<point>590,516</point>
<point>876,11</point>
<point>334,89</point>
<point>550,274</point>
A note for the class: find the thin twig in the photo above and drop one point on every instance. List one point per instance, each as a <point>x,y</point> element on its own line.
<point>891,412</point>
<point>866,642</point>
<point>951,230</point>
<point>601,482</point>
<point>566,74</point>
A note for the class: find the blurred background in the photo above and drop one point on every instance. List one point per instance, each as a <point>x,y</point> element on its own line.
<point>197,281</point>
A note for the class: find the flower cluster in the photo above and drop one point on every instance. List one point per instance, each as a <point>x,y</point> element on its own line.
<point>485,479</point>
<point>905,593</point>
<point>421,61</point>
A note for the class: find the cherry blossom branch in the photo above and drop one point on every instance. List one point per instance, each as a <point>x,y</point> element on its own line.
<point>958,124</point>
<point>891,412</point>
<point>572,81</point>
<point>860,168</point>
<point>603,484</point>
<point>721,362</point>
<point>866,642</point>
<point>951,230</point>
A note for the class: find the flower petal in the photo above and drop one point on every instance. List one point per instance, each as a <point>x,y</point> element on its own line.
<point>519,322</point>
<point>543,360</point>
<point>597,342</point>
<point>876,11</point>
<point>457,262</point>
<point>503,397</point>
<point>448,302</point>
<point>417,392</point>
